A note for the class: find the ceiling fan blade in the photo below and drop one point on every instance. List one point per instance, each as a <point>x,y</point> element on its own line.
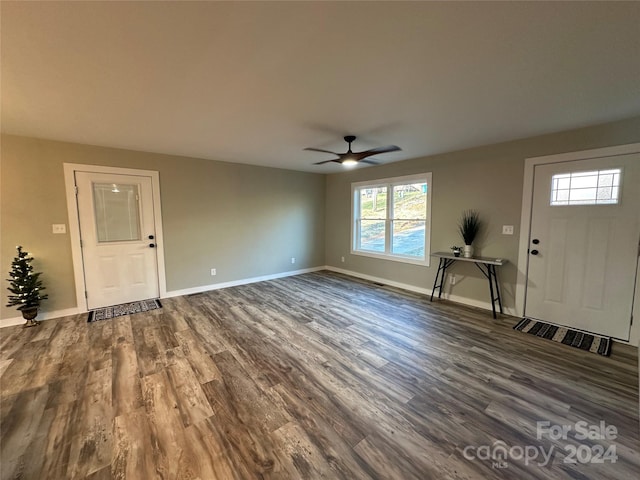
<point>327,161</point>
<point>370,162</point>
<point>376,151</point>
<point>322,151</point>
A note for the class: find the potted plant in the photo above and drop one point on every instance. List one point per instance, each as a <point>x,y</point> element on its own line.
<point>469,227</point>
<point>26,287</point>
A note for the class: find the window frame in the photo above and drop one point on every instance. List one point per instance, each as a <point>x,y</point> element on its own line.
<point>389,183</point>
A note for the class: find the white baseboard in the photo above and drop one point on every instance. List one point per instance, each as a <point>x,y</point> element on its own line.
<point>9,322</point>
<point>371,278</point>
<point>412,288</point>
<point>235,283</point>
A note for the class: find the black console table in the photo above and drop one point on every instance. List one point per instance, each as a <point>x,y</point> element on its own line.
<point>486,265</point>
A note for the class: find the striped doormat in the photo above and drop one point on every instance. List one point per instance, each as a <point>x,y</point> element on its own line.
<point>568,336</point>
<point>124,309</point>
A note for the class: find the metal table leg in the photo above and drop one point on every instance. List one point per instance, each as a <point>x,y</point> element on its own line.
<point>495,279</point>
<point>493,303</point>
<point>492,276</point>
<point>442,270</point>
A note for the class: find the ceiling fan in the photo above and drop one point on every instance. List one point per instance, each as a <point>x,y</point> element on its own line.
<point>352,158</point>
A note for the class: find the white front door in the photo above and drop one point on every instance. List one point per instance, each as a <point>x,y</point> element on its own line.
<point>118,238</point>
<point>583,246</point>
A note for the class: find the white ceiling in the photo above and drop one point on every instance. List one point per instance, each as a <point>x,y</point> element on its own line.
<point>257,82</point>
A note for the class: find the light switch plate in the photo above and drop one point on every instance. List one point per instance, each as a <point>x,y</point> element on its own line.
<point>59,228</point>
<point>507,229</point>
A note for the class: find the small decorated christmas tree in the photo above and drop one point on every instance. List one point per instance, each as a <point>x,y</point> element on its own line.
<point>26,287</point>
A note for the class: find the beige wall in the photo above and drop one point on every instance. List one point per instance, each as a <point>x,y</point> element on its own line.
<point>245,221</point>
<point>280,213</point>
<point>488,179</point>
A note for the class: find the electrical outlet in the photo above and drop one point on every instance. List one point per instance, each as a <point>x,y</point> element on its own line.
<point>452,279</point>
<point>293,259</point>
<point>342,259</point>
<point>507,229</point>
<point>59,228</point>
<point>213,272</point>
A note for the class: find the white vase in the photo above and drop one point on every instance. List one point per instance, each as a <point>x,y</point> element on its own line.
<point>467,251</point>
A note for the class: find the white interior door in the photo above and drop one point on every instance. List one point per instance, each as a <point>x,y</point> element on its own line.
<point>118,238</point>
<point>583,247</point>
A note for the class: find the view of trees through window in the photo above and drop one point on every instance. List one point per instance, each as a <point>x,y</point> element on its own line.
<point>403,213</point>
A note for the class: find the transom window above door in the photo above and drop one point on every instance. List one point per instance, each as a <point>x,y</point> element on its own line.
<point>391,218</point>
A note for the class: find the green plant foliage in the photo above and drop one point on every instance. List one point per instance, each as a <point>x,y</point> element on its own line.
<point>26,286</point>
<point>469,226</point>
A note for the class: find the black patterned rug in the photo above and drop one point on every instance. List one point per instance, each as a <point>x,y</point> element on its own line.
<point>567,336</point>
<point>124,309</point>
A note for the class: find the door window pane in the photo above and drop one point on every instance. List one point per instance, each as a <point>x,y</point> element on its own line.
<point>117,212</point>
<point>586,188</point>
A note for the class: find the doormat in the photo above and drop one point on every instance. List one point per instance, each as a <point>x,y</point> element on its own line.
<point>124,309</point>
<point>568,336</point>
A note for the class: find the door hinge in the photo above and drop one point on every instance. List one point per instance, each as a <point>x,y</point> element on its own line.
<point>631,320</point>
<point>81,245</point>
<point>86,295</point>
<point>75,189</point>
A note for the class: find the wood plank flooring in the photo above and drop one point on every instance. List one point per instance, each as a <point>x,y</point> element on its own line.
<point>314,376</point>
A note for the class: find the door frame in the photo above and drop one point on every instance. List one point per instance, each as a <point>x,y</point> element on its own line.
<point>74,223</point>
<point>527,206</point>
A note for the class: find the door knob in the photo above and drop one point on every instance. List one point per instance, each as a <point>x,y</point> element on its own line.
<point>151,237</point>
<point>152,245</point>
<point>535,241</point>
<point>534,252</point>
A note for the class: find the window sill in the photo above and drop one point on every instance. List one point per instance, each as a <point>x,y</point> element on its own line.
<point>393,258</point>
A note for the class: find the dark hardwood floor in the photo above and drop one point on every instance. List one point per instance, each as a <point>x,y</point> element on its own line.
<point>314,376</point>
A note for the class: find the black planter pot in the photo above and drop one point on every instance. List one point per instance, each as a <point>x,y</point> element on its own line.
<point>29,314</point>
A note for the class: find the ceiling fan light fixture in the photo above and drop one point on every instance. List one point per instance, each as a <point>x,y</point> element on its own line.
<point>350,158</point>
